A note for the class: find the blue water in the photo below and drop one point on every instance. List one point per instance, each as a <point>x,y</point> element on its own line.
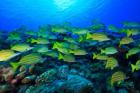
<point>32,13</point>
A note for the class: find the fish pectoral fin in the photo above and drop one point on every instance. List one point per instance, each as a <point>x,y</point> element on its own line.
<point>15,65</point>
<point>133,67</point>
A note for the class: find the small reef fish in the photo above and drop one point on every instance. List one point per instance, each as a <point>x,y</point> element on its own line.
<point>97,26</point>
<point>42,32</point>
<point>98,37</point>
<point>61,49</point>
<point>111,63</point>
<point>74,46</point>
<point>39,41</point>
<point>57,45</point>
<point>67,58</point>
<point>131,32</point>
<point>59,29</point>
<point>117,77</point>
<point>126,40</point>
<point>132,51</point>
<point>100,56</point>
<point>21,47</point>
<point>31,33</point>
<point>78,52</point>
<point>80,31</point>
<point>51,53</point>
<point>41,48</point>
<point>32,58</point>
<point>6,55</point>
<point>109,50</point>
<point>14,36</point>
<point>65,45</point>
<point>113,28</point>
<point>70,40</point>
<point>29,59</point>
<point>136,66</point>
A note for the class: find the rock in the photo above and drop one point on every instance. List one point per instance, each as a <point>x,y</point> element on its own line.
<point>122,91</point>
<point>41,89</point>
<point>22,89</point>
<point>82,74</point>
<point>76,84</point>
<point>63,72</point>
<point>6,88</point>
<point>47,77</point>
<point>73,72</point>
<point>35,89</point>
<point>96,76</point>
<point>6,74</point>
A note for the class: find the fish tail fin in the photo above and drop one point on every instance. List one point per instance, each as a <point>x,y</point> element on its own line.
<point>127,56</point>
<point>102,51</point>
<point>60,56</point>
<point>33,40</point>
<point>80,39</point>
<point>54,46</point>
<point>88,36</point>
<point>70,51</point>
<point>15,65</point>
<point>94,56</point>
<point>128,34</point>
<point>133,67</point>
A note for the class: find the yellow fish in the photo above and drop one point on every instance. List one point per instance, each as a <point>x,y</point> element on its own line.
<point>30,32</point>
<point>136,66</point>
<point>51,53</point>
<point>97,26</point>
<point>32,58</point>
<point>39,41</point>
<point>111,63</point>
<point>109,50</point>
<point>67,58</point>
<point>61,49</point>
<point>78,52</point>
<point>117,77</point>
<point>132,52</point>
<point>6,55</point>
<point>126,40</point>
<point>100,56</point>
<point>65,45</point>
<point>42,32</point>
<point>73,46</point>
<point>59,29</point>
<point>21,47</point>
<point>97,36</point>
<point>70,40</point>
<point>14,36</point>
<point>113,28</point>
<point>29,59</point>
<point>57,45</point>
<point>131,32</point>
<point>80,31</point>
<point>41,49</point>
